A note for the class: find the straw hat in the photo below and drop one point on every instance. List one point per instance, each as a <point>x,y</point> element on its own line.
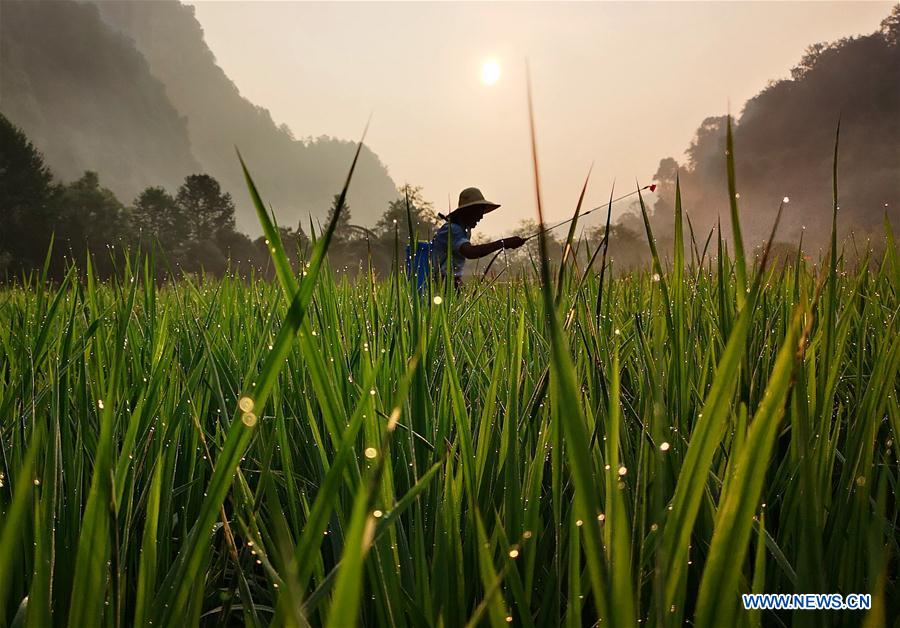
<point>471,198</point>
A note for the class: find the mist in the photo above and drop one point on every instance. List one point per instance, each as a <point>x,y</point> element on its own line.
<point>617,85</point>
<point>131,102</point>
<point>785,149</point>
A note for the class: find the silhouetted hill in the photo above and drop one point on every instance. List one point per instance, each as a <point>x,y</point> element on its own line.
<point>294,176</point>
<point>784,145</point>
<point>87,99</point>
<point>130,90</point>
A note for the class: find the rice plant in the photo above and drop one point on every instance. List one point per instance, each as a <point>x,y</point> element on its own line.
<point>570,448</point>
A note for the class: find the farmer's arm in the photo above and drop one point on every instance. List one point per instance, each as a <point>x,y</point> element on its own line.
<point>474,251</point>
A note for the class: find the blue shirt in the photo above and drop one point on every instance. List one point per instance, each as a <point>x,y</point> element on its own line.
<point>458,235</point>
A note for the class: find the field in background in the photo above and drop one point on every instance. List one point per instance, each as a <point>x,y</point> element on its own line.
<point>640,447</point>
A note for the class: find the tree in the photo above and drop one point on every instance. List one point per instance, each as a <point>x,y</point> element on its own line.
<point>808,61</point>
<point>628,246</point>
<point>890,26</point>
<point>208,212</point>
<point>663,210</point>
<point>349,251</point>
<point>531,250</point>
<point>343,231</point>
<point>90,218</point>
<point>241,250</point>
<point>293,241</point>
<point>424,219</point>
<point>157,215</point>
<point>26,193</point>
<point>705,145</point>
<point>96,209</point>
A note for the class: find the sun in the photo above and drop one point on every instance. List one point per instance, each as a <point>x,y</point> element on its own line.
<point>490,72</point>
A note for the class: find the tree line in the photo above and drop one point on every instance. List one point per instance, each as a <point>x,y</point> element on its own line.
<point>189,230</point>
<point>192,229</point>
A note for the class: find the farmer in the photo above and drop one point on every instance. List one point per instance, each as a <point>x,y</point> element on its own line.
<point>458,228</point>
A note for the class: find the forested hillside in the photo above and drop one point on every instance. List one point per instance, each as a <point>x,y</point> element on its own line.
<point>784,145</point>
<point>130,90</point>
<point>87,98</point>
<point>297,177</point>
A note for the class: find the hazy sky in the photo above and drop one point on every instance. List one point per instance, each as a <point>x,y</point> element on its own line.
<point>617,84</point>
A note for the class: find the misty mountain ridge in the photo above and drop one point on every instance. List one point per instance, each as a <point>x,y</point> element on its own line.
<point>132,91</point>
<point>87,99</point>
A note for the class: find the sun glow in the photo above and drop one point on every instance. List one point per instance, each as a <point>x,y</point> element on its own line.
<point>490,72</point>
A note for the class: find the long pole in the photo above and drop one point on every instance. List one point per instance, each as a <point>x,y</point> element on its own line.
<point>652,188</point>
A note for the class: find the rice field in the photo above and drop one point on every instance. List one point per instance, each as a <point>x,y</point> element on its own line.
<point>568,447</point>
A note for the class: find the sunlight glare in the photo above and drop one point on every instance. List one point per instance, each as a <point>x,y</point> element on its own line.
<point>490,72</point>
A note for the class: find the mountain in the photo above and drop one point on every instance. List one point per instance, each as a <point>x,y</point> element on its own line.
<point>87,98</point>
<point>295,176</point>
<point>131,90</point>
<point>784,146</point>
